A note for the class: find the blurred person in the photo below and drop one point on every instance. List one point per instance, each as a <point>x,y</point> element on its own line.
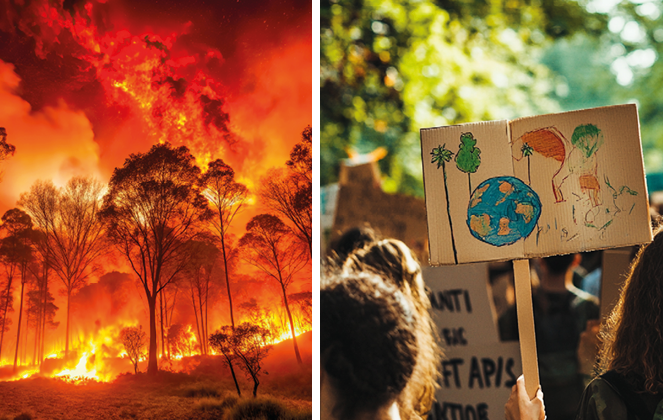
<point>561,315</point>
<point>369,351</point>
<point>630,363</point>
<point>368,347</point>
<point>395,263</point>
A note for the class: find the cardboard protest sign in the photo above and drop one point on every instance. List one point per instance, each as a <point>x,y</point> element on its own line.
<point>535,186</point>
<point>462,308</point>
<point>361,201</point>
<point>478,370</point>
<point>476,382</point>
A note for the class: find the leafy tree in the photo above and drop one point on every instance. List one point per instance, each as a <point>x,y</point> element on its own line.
<point>134,340</point>
<point>222,342</point>
<point>250,343</point>
<point>226,196</point>
<point>390,68</point>
<point>442,156</point>
<point>289,192</point>
<point>270,246</point>
<point>154,206</point>
<point>303,301</point>
<point>74,236</point>
<point>6,149</point>
<point>15,250</point>
<point>468,157</point>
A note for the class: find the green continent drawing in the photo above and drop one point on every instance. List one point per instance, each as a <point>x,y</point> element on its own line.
<point>503,210</point>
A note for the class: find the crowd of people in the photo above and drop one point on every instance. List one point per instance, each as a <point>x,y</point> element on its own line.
<point>380,354</point>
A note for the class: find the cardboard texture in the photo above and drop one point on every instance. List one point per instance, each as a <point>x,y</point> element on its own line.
<point>536,186</point>
<point>462,308</point>
<point>477,369</point>
<point>361,201</point>
<point>615,269</point>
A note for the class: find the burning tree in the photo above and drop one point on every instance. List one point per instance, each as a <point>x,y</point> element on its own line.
<point>270,246</point>
<point>249,343</point>
<point>153,208</point>
<point>133,340</point>
<point>6,149</point>
<point>199,273</point>
<point>226,198</point>
<point>221,342</point>
<point>15,255</point>
<point>180,340</point>
<point>288,192</point>
<point>41,314</point>
<point>72,233</point>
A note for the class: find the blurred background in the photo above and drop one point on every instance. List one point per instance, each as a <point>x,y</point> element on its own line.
<point>389,68</point>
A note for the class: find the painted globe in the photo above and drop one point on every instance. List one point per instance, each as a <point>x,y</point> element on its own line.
<point>503,210</point>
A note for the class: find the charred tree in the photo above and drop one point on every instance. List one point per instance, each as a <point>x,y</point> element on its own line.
<point>226,198</point>
<point>154,206</point>
<point>74,238</point>
<point>270,246</point>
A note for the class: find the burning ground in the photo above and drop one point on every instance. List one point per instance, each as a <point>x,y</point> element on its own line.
<point>162,155</point>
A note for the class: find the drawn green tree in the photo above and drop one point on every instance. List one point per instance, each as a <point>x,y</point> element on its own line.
<point>441,156</point>
<point>468,157</point>
<point>527,151</point>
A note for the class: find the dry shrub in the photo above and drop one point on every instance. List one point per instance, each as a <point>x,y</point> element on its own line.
<point>215,404</point>
<point>264,409</point>
<point>198,389</point>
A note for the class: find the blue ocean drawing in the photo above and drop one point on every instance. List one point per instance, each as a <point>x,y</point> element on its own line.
<point>503,210</point>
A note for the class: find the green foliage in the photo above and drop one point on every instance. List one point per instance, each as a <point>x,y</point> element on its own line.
<point>468,157</point>
<point>389,68</point>
<point>587,138</point>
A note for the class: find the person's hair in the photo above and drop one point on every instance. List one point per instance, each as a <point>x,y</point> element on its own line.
<point>559,264</point>
<point>368,344</point>
<point>353,239</point>
<point>393,261</point>
<point>632,335</point>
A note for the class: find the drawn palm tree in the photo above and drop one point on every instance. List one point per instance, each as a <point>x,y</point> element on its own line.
<point>527,151</point>
<point>441,156</point>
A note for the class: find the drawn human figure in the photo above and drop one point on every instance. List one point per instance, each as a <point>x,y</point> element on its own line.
<point>548,142</point>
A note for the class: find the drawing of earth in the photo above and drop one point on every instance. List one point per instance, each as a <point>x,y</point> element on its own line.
<point>503,210</point>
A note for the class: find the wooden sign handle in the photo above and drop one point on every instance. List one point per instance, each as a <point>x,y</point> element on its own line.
<point>526,326</point>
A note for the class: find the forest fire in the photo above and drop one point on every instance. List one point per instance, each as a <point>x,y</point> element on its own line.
<point>140,203</point>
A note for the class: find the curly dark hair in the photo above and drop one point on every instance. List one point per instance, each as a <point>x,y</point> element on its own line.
<point>393,261</point>
<point>368,344</point>
<point>633,333</point>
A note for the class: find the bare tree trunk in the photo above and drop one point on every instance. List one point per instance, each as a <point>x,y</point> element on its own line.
<point>4,319</point>
<point>66,345</point>
<point>163,341</point>
<point>225,267</point>
<point>195,312</point>
<point>152,366</point>
<point>292,326</point>
<point>232,371</point>
<point>203,337</point>
<point>18,334</point>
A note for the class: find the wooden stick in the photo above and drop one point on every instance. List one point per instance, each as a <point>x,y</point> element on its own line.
<point>526,326</point>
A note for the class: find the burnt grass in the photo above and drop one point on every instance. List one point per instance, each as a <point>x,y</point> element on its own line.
<point>205,391</point>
